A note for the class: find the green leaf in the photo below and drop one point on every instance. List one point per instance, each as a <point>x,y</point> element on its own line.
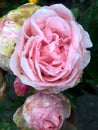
<point>75,12</point>
<point>10,101</point>
<point>89,20</point>
<point>92,82</point>
<point>86,17</point>
<point>5,125</point>
<point>93,29</point>
<point>75,92</point>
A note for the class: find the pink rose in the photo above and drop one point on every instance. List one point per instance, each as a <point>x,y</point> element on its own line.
<point>20,88</point>
<point>8,36</point>
<point>51,50</point>
<point>10,25</point>
<point>43,111</point>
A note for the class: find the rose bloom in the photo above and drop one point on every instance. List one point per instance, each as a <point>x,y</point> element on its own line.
<point>10,25</point>
<point>8,35</point>
<point>43,111</point>
<point>51,50</point>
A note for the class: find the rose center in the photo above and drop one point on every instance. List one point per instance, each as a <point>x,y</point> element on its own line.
<point>52,52</point>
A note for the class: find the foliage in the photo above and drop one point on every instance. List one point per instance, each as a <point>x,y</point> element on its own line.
<point>4,125</point>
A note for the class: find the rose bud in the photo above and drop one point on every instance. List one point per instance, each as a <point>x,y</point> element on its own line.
<point>10,25</point>
<point>19,119</point>
<point>43,111</point>
<point>51,50</point>
<point>20,88</point>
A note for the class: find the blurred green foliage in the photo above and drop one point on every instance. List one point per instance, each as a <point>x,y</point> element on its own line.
<point>9,103</point>
<point>4,125</point>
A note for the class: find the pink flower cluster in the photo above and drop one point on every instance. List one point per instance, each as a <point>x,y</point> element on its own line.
<point>50,55</point>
